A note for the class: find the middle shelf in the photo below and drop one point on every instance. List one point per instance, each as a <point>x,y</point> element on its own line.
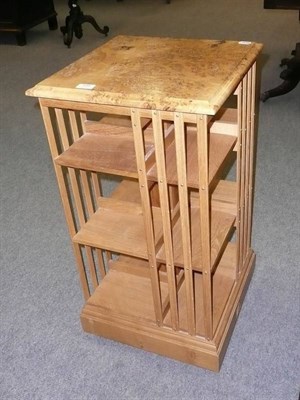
<point>118,226</point>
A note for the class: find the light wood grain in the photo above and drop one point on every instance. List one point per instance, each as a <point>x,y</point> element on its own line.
<point>175,272</point>
<point>103,152</point>
<point>184,75</point>
<point>252,155</point>
<point>126,295</point>
<point>221,225</point>
<point>151,232</point>
<point>222,284</point>
<point>118,226</point>
<point>186,241</point>
<point>219,148</point>
<point>204,220</point>
<point>165,214</point>
<point>225,122</point>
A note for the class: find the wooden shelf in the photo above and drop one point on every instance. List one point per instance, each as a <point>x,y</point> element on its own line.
<point>225,122</point>
<point>222,284</point>
<point>127,190</point>
<point>221,226</point>
<point>104,148</point>
<point>126,291</point>
<point>219,147</point>
<point>223,198</point>
<point>118,226</point>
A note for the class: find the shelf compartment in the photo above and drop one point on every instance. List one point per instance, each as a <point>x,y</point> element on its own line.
<point>223,197</point>
<point>115,120</point>
<point>219,148</point>
<point>127,190</point>
<point>126,291</point>
<point>222,284</point>
<point>118,226</point>
<point>221,226</point>
<point>225,122</point>
<point>104,148</point>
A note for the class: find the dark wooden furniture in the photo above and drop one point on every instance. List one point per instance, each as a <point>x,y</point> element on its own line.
<point>291,75</point>
<point>167,1</point>
<point>74,21</point>
<point>17,16</point>
<point>282,4</point>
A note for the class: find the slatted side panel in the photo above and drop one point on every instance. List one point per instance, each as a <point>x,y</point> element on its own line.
<point>147,212</point>
<point>252,151</point>
<point>91,191</point>
<point>55,143</point>
<point>79,190</point>
<point>166,214</point>
<point>246,105</point>
<point>243,169</point>
<point>181,162</point>
<point>247,162</point>
<point>238,175</point>
<point>205,234</point>
<point>171,211</point>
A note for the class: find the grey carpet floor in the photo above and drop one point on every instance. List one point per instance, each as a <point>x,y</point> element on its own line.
<point>44,353</point>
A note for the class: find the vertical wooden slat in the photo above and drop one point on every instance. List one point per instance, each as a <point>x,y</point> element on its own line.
<point>74,126</point>
<point>238,175</point>
<point>81,271</point>
<point>247,162</point>
<point>108,255</point>
<point>79,205</point>
<point>97,192</point>
<point>251,160</point>
<point>96,185</point>
<point>185,220</point>
<point>58,170</point>
<point>86,190</point>
<point>83,119</point>
<point>77,197</point>
<point>72,174</point>
<point>243,170</point>
<point>62,128</point>
<point>92,266</point>
<point>102,270</point>
<point>75,188</point>
<point>165,212</point>
<point>202,143</point>
<point>146,206</point>
<point>65,201</point>
<point>83,174</point>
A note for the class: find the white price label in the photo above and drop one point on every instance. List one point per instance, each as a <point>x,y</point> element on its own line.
<point>86,86</point>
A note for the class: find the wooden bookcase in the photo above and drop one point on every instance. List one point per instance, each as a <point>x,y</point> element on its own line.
<point>164,261</point>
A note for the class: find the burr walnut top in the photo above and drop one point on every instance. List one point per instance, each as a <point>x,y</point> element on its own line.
<point>184,75</point>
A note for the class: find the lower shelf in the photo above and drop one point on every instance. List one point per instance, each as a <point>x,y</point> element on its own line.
<point>126,291</point>
<point>120,310</point>
<point>222,283</point>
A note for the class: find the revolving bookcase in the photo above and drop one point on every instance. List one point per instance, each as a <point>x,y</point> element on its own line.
<point>165,258</point>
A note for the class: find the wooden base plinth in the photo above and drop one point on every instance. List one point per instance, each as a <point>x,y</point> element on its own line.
<point>178,345</point>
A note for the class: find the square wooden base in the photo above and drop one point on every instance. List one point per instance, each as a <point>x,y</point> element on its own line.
<point>178,345</point>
